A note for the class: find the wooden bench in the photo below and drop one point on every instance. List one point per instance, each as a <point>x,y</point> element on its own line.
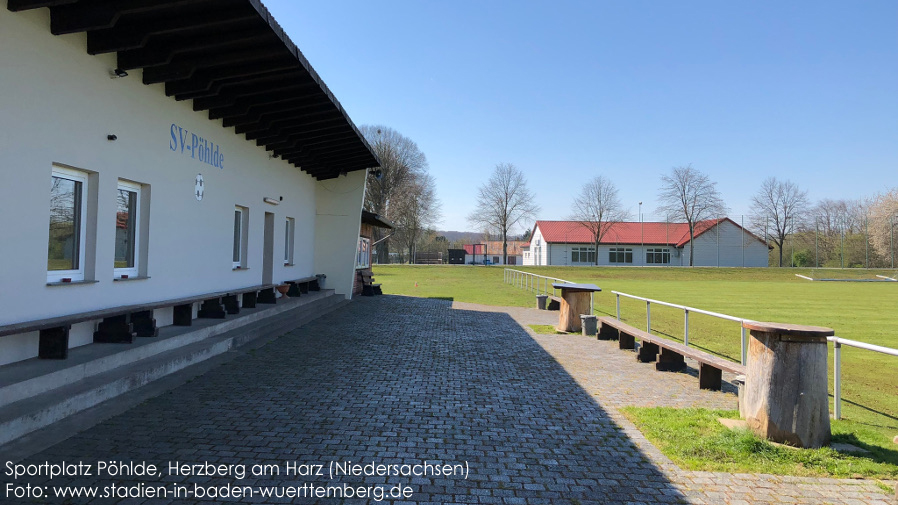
<point>668,354</point>
<point>303,285</point>
<point>369,288</point>
<point>123,324</point>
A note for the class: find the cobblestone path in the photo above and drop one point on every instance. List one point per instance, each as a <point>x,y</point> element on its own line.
<point>530,419</point>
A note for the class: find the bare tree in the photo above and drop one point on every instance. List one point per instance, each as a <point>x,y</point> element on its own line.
<point>597,208</point>
<point>781,207</point>
<point>502,203</point>
<point>401,161</point>
<point>690,194</point>
<point>415,209</point>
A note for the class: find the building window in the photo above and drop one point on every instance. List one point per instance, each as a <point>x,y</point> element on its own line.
<point>289,234</point>
<point>495,260</point>
<point>657,256</point>
<point>65,250</point>
<point>127,221</point>
<point>620,255</point>
<point>363,256</point>
<point>241,220</point>
<point>583,255</point>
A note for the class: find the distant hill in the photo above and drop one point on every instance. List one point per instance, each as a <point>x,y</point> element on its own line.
<point>452,236</point>
<point>472,236</point>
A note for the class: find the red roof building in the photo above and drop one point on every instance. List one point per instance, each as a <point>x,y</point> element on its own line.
<point>718,242</point>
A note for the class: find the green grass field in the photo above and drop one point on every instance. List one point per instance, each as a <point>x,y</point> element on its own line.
<point>864,311</point>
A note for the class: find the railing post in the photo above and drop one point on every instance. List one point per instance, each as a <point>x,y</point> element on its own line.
<point>618,307</point>
<point>648,316</point>
<point>744,344</point>
<point>686,329</point>
<point>837,379</point>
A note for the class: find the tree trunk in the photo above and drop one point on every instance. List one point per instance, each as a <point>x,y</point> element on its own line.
<point>780,244</point>
<point>691,245</point>
<point>504,247</point>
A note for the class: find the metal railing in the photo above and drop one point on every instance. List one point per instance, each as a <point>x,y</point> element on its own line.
<point>540,284</point>
<point>837,341</point>
<point>837,366</point>
<point>686,310</point>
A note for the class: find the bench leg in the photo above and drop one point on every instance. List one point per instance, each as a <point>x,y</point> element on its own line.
<point>648,352</point>
<point>607,333</point>
<point>314,286</point>
<point>669,361</point>
<point>144,324</point>
<point>709,377</point>
<point>115,330</point>
<point>294,290</point>
<point>230,304</point>
<point>626,342</point>
<point>249,300</point>
<point>54,343</point>
<point>266,296</point>
<point>211,309</point>
<point>183,315</point>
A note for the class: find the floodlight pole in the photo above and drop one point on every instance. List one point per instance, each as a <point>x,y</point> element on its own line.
<point>816,235</point>
<point>642,233</point>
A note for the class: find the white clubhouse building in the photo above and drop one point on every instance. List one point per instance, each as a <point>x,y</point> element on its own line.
<point>718,242</point>
<point>154,151</point>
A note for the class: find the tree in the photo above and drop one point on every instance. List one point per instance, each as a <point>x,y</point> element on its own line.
<point>597,208</point>
<point>502,203</point>
<point>779,205</point>
<point>414,210</point>
<point>690,194</point>
<point>401,162</point>
<point>884,225</point>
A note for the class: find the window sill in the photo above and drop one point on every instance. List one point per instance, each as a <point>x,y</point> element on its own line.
<point>289,264</point>
<point>135,278</point>
<point>239,269</point>
<point>60,283</point>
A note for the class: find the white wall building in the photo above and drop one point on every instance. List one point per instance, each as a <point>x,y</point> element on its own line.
<point>718,242</point>
<point>220,161</point>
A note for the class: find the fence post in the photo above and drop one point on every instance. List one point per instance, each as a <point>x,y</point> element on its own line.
<point>837,379</point>
<point>648,316</point>
<point>686,330</point>
<point>744,343</point>
<point>618,307</point>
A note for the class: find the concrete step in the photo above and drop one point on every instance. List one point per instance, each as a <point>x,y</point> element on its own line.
<point>37,409</point>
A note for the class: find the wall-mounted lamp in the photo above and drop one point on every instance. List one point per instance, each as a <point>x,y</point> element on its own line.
<point>272,201</point>
<point>343,173</point>
<point>117,73</point>
<point>111,137</point>
<point>377,173</point>
<point>272,156</point>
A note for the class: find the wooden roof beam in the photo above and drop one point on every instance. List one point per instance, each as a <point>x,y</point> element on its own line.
<point>98,14</point>
<point>186,67</point>
<point>135,33</point>
<point>160,50</point>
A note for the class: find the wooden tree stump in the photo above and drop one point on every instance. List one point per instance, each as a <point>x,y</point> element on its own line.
<point>786,398</point>
<point>575,300</point>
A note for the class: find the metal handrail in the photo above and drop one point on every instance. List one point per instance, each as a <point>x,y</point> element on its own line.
<point>838,342</point>
<point>530,281</point>
<point>686,310</point>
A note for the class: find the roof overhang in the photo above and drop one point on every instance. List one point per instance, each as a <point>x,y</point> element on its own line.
<point>231,58</point>
<point>375,220</point>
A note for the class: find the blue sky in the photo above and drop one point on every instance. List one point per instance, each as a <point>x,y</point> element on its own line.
<point>805,91</point>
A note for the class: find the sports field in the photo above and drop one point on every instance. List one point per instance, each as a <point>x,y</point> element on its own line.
<point>864,311</point>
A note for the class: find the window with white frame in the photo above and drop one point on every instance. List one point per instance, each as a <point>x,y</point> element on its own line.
<point>127,233</point>
<point>583,255</point>
<point>68,216</point>
<point>363,255</point>
<point>620,255</point>
<point>658,256</point>
<point>289,234</point>
<point>241,221</point>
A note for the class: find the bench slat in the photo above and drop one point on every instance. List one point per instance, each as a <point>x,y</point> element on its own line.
<point>59,321</point>
<point>696,354</point>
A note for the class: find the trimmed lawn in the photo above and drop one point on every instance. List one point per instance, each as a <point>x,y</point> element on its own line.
<point>695,440</point>
<point>864,311</point>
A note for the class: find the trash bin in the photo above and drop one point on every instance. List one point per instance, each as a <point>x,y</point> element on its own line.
<point>588,324</point>
<point>541,301</point>
<point>321,278</point>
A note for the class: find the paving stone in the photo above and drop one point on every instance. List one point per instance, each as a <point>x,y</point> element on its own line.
<point>399,380</point>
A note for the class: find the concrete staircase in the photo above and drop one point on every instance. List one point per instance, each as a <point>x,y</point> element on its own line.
<point>36,393</point>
